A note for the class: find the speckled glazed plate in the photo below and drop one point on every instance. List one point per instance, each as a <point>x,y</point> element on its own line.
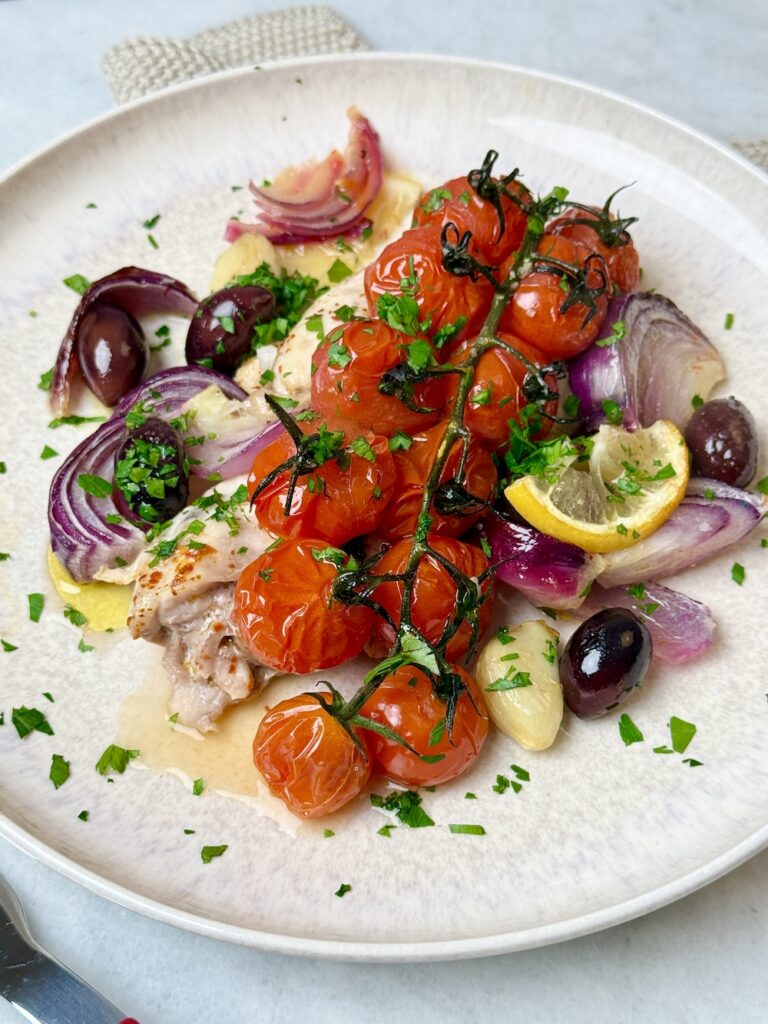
<point>602,832</point>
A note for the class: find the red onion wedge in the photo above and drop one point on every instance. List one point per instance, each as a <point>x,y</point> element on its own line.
<point>317,201</point>
<point>652,372</point>
<point>81,537</point>
<point>545,570</point>
<point>681,628</point>
<point>135,291</point>
<point>711,517</point>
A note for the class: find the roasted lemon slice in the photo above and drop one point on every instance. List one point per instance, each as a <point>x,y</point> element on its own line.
<point>611,494</point>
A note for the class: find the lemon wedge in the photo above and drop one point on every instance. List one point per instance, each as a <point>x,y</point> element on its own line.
<point>611,495</point>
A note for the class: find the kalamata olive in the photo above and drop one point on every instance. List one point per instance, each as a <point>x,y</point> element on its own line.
<point>604,660</point>
<point>112,352</point>
<point>723,441</point>
<point>151,473</point>
<point>221,329</point>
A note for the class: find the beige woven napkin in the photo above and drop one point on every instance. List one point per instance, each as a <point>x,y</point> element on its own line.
<point>145,64</point>
<point>142,65</point>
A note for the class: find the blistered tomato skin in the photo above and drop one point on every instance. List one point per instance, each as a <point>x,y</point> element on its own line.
<point>286,615</point>
<point>337,502</point>
<point>442,298</point>
<point>535,314</point>
<point>412,466</point>
<point>415,713</point>
<point>722,438</point>
<point>458,203</point>
<point>622,260</point>
<point>112,352</point>
<point>348,368</point>
<point>222,327</point>
<point>496,396</point>
<point>604,660</point>
<point>433,603</point>
<point>307,758</point>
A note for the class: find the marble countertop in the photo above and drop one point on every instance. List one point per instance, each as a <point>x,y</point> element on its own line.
<point>700,959</point>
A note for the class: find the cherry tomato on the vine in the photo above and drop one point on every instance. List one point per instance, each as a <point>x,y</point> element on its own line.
<point>621,257</point>
<point>496,396</point>
<point>413,459</point>
<point>406,702</point>
<point>411,267</point>
<point>535,311</point>
<point>435,595</point>
<point>308,759</point>
<point>344,497</point>
<point>286,613</point>
<point>348,368</point>
<point>457,202</point>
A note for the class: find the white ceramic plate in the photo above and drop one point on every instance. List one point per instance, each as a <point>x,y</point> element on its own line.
<point>601,833</point>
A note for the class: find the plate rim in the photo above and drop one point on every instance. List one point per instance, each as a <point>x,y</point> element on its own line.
<point>353,949</point>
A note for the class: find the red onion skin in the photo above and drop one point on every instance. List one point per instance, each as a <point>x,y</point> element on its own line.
<point>330,204</point>
<point>680,627</point>
<point>545,570</point>
<point>699,529</point>
<point>635,373</point>
<point>137,291</point>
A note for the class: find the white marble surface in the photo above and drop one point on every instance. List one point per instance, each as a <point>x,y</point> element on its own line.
<point>701,959</point>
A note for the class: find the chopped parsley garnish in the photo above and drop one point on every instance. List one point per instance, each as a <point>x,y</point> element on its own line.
<point>511,681</point>
<point>293,294</point>
<point>470,796</point>
<point>434,200</point>
<point>467,830</point>
<point>49,697</point>
<point>343,888</point>
<point>401,313</point>
<point>547,459</point>
<point>386,831</point>
<point>347,313</point>
<point>521,773</point>
<point>197,787</point>
<point>151,223</point>
<point>571,406</point>
<point>338,271</point>
<point>46,380</point>
<point>629,731</point>
<point>728,324</point>
<point>36,604</point>
<point>612,411</point>
<point>27,720</point>
<point>406,806</point>
<point>682,733</point>
<point>338,355</point>
<point>7,647</point>
<point>618,332</point>
<point>738,573</point>
<point>84,815</point>
<point>4,556</point>
<point>60,771</point>
<point>762,485</point>
<point>328,832</point>
<point>314,324</point>
<point>449,332</point>
<point>95,485</point>
<point>77,283</point>
<point>504,636</point>
<point>361,448</point>
<point>153,241</point>
<point>637,590</point>
<point>285,403</point>
<point>209,852</point>
<point>401,442</point>
<point>697,401</point>
<point>550,652</point>
<point>75,617</point>
<point>74,421</point>
<point>48,453</point>
<point>115,759</point>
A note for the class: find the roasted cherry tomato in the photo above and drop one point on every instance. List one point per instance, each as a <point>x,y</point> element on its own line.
<point>435,594</point>
<point>406,702</point>
<point>345,496</point>
<point>496,396</point>
<point>308,759</point>
<point>411,266</point>
<point>286,614</point>
<point>350,365</point>
<point>413,459</point>
<point>619,253</point>
<point>457,202</point>
<point>535,311</point>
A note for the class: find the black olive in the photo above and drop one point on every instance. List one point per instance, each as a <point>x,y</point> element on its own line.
<point>151,473</point>
<point>221,329</point>
<point>112,352</point>
<point>723,441</point>
<point>604,660</point>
